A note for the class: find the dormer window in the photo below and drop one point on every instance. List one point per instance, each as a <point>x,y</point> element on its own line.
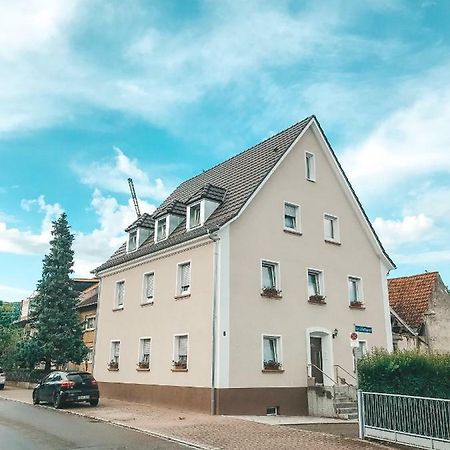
<point>132,240</point>
<point>194,216</point>
<point>161,229</point>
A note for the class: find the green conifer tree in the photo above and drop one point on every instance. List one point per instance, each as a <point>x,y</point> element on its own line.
<point>59,333</point>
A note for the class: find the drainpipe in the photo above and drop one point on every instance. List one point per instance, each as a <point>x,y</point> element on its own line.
<point>212,234</point>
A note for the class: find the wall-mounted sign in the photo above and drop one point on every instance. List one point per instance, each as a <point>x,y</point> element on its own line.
<point>354,336</point>
<point>363,329</point>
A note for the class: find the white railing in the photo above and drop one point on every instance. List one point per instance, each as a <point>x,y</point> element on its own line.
<point>417,421</point>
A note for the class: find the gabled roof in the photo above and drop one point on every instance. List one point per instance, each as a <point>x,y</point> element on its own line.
<point>145,221</point>
<point>209,191</point>
<point>410,296</point>
<point>173,207</point>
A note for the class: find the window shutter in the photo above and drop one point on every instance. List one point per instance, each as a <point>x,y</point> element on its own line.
<point>149,279</point>
<point>182,345</point>
<point>146,346</point>
<point>185,275</point>
<point>290,210</point>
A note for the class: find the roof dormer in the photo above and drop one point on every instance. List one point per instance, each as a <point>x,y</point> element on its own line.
<point>139,231</point>
<point>202,204</point>
<point>168,218</point>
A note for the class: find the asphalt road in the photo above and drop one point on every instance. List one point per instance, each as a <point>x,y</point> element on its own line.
<point>28,427</point>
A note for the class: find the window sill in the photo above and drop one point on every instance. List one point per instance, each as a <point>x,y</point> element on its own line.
<point>179,370</point>
<point>311,180</point>
<point>275,296</point>
<point>179,297</point>
<point>330,241</point>
<point>358,306</point>
<point>112,370</point>
<point>291,231</point>
<point>272,370</point>
<point>147,303</point>
<point>138,369</point>
<point>120,308</point>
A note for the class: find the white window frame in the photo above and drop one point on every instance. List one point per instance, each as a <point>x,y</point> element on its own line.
<point>145,299</point>
<point>336,228</point>
<point>298,218</point>
<point>320,273</point>
<point>309,156</point>
<point>360,289</point>
<point>137,241</point>
<point>90,355</point>
<point>111,353</point>
<point>277,266</point>
<point>116,305</point>
<point>202,215</point>
<point>86,320</point>
<point>141,349</point>
<point>279,339</point>
<point>178,292</point>
<point>166,219</point>
<point>175,355</point>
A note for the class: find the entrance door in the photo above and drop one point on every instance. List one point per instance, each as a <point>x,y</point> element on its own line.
<point>316,359</point>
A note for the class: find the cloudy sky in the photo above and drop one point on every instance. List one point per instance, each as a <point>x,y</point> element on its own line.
<point>92,92</point>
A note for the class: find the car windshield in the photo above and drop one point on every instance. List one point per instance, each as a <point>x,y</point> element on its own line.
<point>79,377</point>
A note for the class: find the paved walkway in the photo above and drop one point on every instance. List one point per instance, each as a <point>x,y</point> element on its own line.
<point>205,431</point>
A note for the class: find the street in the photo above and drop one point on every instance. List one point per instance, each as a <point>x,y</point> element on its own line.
<point>27,427</point>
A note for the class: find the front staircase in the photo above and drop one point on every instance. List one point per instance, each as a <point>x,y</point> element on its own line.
<point>345,402</point>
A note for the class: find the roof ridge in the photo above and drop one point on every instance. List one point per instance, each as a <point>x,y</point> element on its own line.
<point>306,119</point>
<point>416,275</point>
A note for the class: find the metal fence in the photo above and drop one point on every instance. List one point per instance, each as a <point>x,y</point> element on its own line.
<point>418,421</point>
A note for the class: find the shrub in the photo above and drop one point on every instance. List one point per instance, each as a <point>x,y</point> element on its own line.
<point>406,372</point>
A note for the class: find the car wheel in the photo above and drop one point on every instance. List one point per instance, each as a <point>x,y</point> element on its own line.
<point>35,398</point>
<point>57,401</point>
<point>93,402</point>
<point>1,386</point>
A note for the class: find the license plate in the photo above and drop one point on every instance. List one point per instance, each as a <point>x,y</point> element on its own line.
<point>83,397</point>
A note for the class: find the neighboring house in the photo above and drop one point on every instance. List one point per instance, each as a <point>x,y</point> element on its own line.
<point>420,312</point>
<point>245,285</point>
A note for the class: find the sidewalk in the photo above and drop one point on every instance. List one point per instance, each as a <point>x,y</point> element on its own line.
<point>202,430</point>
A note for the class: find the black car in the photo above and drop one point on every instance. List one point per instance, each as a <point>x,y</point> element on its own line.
<point>64,387</point>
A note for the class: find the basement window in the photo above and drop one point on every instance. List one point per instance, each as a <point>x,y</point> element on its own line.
<point>273,411</point>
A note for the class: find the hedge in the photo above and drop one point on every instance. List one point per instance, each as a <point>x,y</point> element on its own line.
<point>27,375</point>
<point>406,372</point>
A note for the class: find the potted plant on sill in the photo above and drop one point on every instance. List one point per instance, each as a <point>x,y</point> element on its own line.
<point>357,304</point>
<point>179,365</point>
<point>317,298</point>
<point>143,365</point>
<point>271,292</point>
<point>113,365</point>
<point>272,365</point>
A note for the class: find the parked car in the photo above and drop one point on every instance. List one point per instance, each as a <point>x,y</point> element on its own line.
<point>2,379</point>
<point>64,387</point>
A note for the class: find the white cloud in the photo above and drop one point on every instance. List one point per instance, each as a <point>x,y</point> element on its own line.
<point>14,240</point>
<point>113,176</point>
<point>410,229</point>
<point>9,293</point>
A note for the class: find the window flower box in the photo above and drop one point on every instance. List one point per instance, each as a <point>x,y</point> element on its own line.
<point>357,305</point>
<point>143,365</point>
<point>272,365</point>
<point>113,365</point>
<point>318,299</point>
<point>271,292</point>
<point>179,365</point>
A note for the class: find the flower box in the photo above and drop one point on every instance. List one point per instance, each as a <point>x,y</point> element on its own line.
<point>179,365</point>
<point>271,293</point>
<point>113,365</point>
<point>319,299</point>
<point>357,305</point>
<point>143,365</point>
<point>272,365</point>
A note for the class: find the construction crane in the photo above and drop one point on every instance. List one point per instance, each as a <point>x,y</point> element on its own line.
<point>134,197</point>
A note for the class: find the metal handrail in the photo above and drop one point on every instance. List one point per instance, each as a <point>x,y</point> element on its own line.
<point>323,373</point>
<point>346,371</point>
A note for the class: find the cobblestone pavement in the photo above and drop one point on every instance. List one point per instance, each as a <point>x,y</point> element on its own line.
<point>205,431</point>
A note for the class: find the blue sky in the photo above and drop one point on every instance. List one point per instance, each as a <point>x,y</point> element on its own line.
<point>95,91</point>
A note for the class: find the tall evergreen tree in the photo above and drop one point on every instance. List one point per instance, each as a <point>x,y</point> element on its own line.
<point>59,333</point>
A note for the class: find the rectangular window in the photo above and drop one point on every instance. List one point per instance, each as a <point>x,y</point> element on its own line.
<point>144,352</point>
<point>161,229</point>
<point>115,354</point>
<point>184,278</point>
<point>120,293</point>
<point>89,355</point>
<point>180,357</point>
<point>149,280</point>
<point>132,240</point>
<point>90,323</point>
<point>194,216</point>
<point>315,281</point>
<point>331,227</point>
<point>291,217</point>
<point>310,167</point>
<point>269,275</point>
<point>354,290</point>
<point>271,353</point>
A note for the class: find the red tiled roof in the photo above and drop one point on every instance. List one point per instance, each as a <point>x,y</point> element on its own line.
<point>409,296</point>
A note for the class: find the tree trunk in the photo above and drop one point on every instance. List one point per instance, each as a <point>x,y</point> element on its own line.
<point>48,365</point>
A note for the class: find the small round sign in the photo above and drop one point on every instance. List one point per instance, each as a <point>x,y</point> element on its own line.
<point>354,336</point>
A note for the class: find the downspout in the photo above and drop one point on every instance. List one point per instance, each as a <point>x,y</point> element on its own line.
<point>212,234</point>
